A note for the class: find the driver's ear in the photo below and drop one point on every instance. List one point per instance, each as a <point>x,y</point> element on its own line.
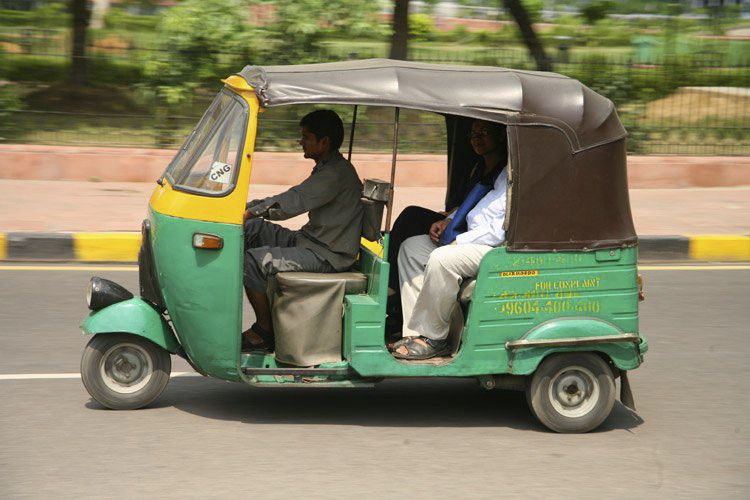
<point>325,142</point>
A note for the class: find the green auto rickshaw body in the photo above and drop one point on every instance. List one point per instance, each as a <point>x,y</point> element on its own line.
<point>578,289</point>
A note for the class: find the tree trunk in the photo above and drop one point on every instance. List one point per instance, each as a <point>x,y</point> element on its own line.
<point>81,17</point>
<point>400,37</point>
<point>521,17</point>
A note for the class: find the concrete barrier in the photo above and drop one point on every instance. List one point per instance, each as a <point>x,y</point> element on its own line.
<point>123,247</point>
<point>24,161</point>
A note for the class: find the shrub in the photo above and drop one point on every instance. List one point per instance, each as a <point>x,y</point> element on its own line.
<point>52,15</point>
<point>421,27</point>
<point>49,69</point>
<point>9,101</point>
<point>119,19</point>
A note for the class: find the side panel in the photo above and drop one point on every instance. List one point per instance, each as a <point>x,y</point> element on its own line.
<point>132,316</point>
<point>514,294</point>
<point>202,290</point>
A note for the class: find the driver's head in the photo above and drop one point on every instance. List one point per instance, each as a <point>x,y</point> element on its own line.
<point>322,133</point>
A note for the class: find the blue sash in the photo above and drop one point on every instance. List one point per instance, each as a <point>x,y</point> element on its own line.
<point>458,225</point>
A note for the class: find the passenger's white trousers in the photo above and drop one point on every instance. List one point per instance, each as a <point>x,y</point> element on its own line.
<point>430,278</point>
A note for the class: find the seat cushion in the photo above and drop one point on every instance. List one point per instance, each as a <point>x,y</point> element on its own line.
<point>355,282</point>
<point>467,290</point>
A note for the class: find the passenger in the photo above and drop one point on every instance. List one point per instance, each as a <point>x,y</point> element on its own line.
<point>488,140</point>
<point>329,242</point>
<point>430,275</point>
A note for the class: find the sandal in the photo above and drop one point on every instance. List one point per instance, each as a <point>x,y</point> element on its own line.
<point>266,344</point>
<point>395,340</point>
<point>426,349</point>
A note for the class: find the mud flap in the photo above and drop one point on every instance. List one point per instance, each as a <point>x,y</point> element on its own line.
<point>626,394</point>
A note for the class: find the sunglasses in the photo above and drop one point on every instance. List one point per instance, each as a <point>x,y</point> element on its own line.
<point>479,135</point>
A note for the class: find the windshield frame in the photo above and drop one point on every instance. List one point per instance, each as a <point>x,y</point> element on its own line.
<point>204,143</point>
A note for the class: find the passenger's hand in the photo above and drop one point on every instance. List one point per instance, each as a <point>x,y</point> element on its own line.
<point>247,215</point>
<point>437,229</point>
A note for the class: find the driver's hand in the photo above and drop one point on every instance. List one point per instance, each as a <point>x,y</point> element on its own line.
<point>437,229</point>
<point>247,215</point>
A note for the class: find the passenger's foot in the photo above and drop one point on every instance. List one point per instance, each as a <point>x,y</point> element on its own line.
<point>257,338</point>
<point>420,348</point>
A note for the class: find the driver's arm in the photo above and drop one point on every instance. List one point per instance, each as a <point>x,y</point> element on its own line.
<point>315,191</point>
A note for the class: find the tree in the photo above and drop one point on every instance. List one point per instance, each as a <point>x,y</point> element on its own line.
<point>302,24</point>
<point>596,11</point>
<point>201,41</point>
<point>78,64</point>
<point>533,44</point>
<point>400,36</point>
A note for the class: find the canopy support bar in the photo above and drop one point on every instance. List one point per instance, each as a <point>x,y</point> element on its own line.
<point>393,170</point>
<point>351,133</point>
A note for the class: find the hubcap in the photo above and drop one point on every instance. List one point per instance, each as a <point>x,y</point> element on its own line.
<point>574,391</point>
<point>126,368</point>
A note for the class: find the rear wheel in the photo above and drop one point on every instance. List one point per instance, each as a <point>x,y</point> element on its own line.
<point>123,371</point>
<point>572,392</point>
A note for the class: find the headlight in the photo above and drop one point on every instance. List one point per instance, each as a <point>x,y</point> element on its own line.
<point>103,293</point>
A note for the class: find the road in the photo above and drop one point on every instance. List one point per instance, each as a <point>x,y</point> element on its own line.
<point>405,438</point>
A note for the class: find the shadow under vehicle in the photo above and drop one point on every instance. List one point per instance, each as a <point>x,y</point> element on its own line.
<point>552,312</point>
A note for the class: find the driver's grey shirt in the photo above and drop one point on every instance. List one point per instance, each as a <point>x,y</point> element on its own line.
<point>331,196</point>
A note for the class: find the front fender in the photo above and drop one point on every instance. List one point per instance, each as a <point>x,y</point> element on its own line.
<point>132,316</point>
<point>625,355</point>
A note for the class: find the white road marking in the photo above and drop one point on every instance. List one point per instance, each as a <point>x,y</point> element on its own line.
<point>52,376</point>
<point>693,268</point>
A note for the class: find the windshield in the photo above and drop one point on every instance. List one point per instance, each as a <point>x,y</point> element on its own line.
<point>209,160</point>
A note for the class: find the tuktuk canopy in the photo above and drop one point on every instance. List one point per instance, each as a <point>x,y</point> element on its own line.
<point>568,178</point>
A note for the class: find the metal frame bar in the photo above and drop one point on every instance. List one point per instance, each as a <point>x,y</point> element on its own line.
<point>393,170</point>
<point>296,371</point>
<point>574,341</point>
<point>351,133</point>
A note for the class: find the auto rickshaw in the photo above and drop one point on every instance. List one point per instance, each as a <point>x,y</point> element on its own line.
<point>552,312</point>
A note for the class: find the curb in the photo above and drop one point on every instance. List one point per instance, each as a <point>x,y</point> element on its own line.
<point>124,246</point>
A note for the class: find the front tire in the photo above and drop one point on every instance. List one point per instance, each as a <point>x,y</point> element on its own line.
<point>572,392</point>
<point>123,371</point>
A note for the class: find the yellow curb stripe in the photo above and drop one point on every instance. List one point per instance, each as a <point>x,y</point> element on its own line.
<point>719,247</point>
<point>113,247</point>
<point>3,246</point>
<point>68,268</point>
<point>134,268</point>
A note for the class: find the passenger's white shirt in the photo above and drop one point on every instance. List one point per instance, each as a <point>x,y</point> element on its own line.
<point>485,220</point>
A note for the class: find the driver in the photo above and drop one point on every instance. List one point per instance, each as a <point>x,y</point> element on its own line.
<point>329,242</point>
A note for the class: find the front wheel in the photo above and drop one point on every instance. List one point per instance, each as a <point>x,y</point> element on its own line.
<point>572,392</point>
<point>123,371</point>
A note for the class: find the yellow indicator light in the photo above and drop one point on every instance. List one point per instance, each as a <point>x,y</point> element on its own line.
<point>207,241</point>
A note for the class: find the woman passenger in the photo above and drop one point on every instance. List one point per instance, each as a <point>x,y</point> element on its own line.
<point>488,140</point>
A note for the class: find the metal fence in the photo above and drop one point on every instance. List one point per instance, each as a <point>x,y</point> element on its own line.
<point>692,104</point>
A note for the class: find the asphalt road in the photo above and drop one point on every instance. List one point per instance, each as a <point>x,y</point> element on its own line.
<point>403,439</point>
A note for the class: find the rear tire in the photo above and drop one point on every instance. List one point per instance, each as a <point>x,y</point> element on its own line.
<point>572,392</point>
<point>124,371</point>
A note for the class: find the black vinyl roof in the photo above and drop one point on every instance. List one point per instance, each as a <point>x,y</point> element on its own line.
<point>488,93</point>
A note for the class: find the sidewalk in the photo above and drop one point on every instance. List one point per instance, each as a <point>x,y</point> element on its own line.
<point>29,206</point>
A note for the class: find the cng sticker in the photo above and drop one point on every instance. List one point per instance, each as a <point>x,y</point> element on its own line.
<point>516,274</point>
<point>220,172</point>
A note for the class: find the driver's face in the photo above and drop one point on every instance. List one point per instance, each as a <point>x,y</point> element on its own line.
<point>311,146</point>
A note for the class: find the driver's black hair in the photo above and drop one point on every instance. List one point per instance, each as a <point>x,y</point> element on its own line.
<point>325,123</point>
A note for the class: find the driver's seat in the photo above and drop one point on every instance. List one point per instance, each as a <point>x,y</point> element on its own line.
<point>307,307</point>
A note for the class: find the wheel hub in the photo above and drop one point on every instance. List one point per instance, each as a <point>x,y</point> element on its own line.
<point>574,391</point>
<point>126,368</point>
